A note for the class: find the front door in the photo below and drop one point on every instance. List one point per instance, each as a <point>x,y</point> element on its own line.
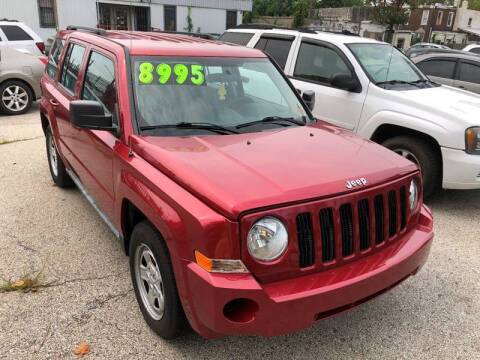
<point>314,68</point>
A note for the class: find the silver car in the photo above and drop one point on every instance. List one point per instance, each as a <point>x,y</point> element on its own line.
<point>20,75</point>
<point>454,69</point>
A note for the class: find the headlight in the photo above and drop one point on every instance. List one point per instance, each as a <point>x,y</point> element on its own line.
<point>472,140</point>
<point>413,198</point>
<point>267,239</point>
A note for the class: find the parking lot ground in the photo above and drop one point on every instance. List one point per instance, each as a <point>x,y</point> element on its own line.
<point>89,297</point>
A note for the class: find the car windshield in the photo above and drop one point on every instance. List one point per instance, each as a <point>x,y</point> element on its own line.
<point>213,92</point>
<point>384,63</point>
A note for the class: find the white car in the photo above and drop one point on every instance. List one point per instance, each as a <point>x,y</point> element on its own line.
<point>372,89</point>
<point>473,48</point>
<point>18,36</point>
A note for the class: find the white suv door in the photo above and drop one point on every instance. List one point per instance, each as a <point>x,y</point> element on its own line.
<point>314,66</point>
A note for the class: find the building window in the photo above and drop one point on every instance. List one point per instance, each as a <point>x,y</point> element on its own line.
<point>46,13</point>
<point>425,16</point>
<point>439,18</point>
<point>231,19</point>
<point>170,17</point>
<point>450,18</point>
<point>470,22</point>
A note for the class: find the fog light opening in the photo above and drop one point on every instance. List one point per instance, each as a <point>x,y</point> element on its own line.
<point>240,310</point>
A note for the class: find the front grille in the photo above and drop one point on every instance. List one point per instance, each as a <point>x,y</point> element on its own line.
<point>328,235</point>
<point>305,239</point>
<point>350,228</point>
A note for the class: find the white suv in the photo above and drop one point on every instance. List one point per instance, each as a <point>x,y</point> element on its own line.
<point>17,35</point>
<point>372,89</point>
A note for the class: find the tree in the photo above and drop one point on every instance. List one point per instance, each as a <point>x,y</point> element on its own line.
<point>189,27</point>
<point>300,13</point>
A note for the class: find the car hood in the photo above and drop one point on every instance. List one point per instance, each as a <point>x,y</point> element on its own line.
<point>445,101</point>
<point>238,173</point>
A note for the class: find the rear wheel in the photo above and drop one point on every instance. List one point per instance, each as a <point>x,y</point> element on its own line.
<point>57,167</point>
<point>154,282</point>
<point>424,155</point>
<point>15,97</point>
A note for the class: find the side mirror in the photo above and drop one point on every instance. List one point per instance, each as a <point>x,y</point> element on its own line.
<point>345,82</point>
<point>308,97</point>
<point>89,114</point>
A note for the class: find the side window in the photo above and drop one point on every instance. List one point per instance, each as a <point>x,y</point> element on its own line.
<point>319,64</point>
<point>469,73</point>
<point>438,68</point>
<point>52,66</point>
<point>15,33</point>
<point>100,82</point>
<point>71,66</point>
<point>475,50</point>
<point>236,38</point>
<point>278,49</point>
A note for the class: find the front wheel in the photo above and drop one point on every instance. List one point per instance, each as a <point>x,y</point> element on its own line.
<point>154,282</point>
<point>424,155</point>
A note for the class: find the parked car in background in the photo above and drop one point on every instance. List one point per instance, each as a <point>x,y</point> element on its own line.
<point>239,211</point>
<point>473,48</point>
<point>411,53</point>
<point>15,34</point>
<point>20,75</point>
<point>425,45</point>
<point>458,70</point>
<point>374,90</point>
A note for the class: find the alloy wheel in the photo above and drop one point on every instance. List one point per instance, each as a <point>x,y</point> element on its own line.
<point>149,282</point>
<point>15,98</point>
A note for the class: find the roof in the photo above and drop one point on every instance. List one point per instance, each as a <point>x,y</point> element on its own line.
<point>168,44</point>
<point>452,55</point>
<point>473,31</point>
<point>334,38</point>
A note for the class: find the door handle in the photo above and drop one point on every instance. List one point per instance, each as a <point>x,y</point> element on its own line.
<point>54,102</point>
<point>462,87</point>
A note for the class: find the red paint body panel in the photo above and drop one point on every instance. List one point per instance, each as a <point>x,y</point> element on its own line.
<point>203,193</point>
<point>294,304</point>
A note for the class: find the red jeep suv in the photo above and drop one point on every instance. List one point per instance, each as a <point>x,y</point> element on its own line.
<point>241,213</point>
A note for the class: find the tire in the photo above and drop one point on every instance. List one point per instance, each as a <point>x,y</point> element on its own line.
<point>57,167</point>
<point>16,98</point>
<point>157,279</point>
<point>424,155</point>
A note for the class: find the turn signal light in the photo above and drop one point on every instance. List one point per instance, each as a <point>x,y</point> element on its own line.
<point>219,265</point>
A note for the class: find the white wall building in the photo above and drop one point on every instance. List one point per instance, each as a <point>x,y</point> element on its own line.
<point>45,17</point>
<point>467,20</point>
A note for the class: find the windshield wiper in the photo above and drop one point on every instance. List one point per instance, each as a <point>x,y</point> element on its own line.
<point>394,82</point>
<point>189,125</point>
<point>272,119</point>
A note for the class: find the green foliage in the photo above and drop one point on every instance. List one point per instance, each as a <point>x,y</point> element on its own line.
<point>300,13</point>
<point>474,4</point>
<point>340,3</point>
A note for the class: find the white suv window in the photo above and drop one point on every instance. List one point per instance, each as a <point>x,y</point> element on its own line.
<point>319,64</point>
<point>15,33</point>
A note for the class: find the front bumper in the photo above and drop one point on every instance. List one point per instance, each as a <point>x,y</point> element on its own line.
<point>293,304</point>
<point>460,170</point>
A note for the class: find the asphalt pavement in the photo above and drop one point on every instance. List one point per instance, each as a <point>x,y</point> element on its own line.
<point>86,293</point>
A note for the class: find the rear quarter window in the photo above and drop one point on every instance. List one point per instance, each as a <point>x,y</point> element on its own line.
<point>236,38</point>
<point>52,66</point>
<point>15,33</point>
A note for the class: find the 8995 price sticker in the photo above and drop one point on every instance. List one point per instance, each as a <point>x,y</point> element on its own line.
<point>171,74</point>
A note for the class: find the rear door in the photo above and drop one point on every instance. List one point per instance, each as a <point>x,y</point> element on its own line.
<point>18,38</point>
<point>314,66</point>
<point>468,76</point>
<point>440,70</point>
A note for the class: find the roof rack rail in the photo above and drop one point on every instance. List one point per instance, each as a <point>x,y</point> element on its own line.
<point>10,20</point>
<point>87,29</point>
<point>198,35</point>
<point>272,27</point>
